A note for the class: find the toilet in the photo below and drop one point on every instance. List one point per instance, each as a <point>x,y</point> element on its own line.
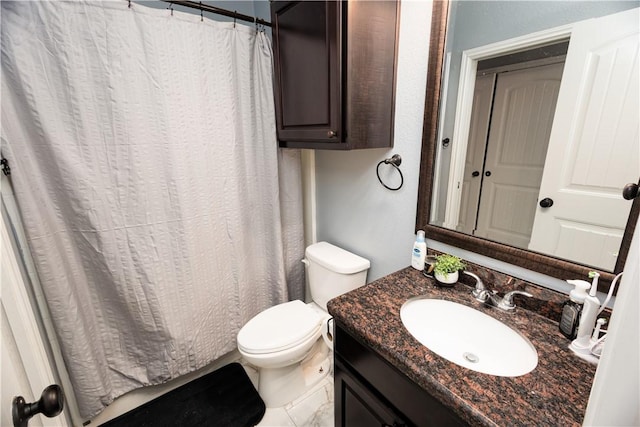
<point>290,343</point>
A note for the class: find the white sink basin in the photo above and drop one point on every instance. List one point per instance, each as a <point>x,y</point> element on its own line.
<point>468,337</point>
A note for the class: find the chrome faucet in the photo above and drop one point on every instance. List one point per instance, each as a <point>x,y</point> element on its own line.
<point>480,288</point>
<point>491,298</point>
<point>505,303</point>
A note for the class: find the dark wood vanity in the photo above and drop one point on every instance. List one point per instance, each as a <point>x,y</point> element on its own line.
<point>384,376</point>
<point>369,391</point>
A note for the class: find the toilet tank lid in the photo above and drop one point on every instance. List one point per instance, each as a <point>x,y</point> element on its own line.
<point>336,259</point>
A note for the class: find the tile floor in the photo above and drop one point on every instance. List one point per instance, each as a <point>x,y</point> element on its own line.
<point>313,409</point>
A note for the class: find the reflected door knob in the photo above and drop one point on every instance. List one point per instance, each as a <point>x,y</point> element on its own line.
<point>631,191</point>
<point>546,202</point>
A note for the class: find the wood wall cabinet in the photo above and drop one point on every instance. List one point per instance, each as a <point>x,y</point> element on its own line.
<point>335,73</point>
<point>371,392</point>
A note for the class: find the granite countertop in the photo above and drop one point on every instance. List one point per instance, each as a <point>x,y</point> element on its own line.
<point>556,392</point>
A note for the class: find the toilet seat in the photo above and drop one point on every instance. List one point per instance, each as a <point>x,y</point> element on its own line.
<point>279,328</point>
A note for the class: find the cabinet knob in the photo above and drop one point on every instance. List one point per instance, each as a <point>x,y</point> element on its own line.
<point>331,133</point>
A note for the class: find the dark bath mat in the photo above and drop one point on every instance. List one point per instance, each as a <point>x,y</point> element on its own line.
<point>225,397</point>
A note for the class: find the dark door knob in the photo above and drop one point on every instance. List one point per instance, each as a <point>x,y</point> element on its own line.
<point>630,191</point>
<point>487,173</point>
<point>546,203</point>
<point>475,173</point>
<point>50,404</point>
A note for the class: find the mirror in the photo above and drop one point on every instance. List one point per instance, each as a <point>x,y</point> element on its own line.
<point>430,211</point>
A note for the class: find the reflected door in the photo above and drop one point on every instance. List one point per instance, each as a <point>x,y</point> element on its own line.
<point>474,161</point>
<point>508,181</point>
<point>594,145</point>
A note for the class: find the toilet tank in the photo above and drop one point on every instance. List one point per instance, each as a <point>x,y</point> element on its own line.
<point>332,271</point>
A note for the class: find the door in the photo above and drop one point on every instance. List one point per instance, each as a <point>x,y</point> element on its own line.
<point>474,161</point>
<point>594,145</point>
<point>26,370</point>
<point>307,71</point>
<point>521,121</point>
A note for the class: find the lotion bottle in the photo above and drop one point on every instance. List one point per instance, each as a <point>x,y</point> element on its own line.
<point>419,251</point>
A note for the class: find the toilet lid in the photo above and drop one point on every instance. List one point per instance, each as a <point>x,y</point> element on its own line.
<point>279,328</point>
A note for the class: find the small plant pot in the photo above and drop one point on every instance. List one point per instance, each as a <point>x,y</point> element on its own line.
<point>446,280</point>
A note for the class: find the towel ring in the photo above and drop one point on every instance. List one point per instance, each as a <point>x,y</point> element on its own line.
<point>394,161</point>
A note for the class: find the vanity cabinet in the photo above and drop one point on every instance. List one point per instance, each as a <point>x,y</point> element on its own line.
<point>360,405</point>
<point>371,392</point>
<point>334,73</point>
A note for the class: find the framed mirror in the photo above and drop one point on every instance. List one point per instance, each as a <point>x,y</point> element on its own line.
<point>535,49</point>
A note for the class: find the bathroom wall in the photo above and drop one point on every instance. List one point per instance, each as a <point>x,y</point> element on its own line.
<point>616,390</point>
<point>353,210</point>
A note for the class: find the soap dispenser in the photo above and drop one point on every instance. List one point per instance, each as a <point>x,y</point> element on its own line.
<point>588,343</point>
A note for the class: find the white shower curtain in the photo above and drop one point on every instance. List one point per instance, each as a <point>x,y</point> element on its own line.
<point>144,162</point>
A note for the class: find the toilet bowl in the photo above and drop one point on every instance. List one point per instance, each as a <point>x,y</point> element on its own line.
<point>288,343</point>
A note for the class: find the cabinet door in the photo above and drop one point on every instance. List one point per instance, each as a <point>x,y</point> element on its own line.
<point>357,405</point>
<point>367,387</point>
<point>307,81</point>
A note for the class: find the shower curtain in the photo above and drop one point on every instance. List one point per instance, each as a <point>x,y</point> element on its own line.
<point>145,165</point>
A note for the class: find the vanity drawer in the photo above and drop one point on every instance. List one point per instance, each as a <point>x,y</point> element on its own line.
<point>405,398</point>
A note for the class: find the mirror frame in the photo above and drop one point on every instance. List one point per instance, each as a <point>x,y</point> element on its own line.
<point>545,264</point>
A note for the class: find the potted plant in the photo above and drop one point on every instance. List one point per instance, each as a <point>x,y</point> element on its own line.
<point>446,269</point>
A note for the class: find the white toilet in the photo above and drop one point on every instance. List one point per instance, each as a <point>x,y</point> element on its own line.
<point>288,343</point>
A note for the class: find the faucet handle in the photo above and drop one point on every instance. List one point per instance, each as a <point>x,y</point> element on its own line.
<point>507,300</point>
<point>479,285</point>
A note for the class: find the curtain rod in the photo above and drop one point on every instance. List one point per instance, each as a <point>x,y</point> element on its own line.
<point>219,11</point>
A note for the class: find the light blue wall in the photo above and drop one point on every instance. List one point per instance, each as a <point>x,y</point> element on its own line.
<point>353,210</point>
